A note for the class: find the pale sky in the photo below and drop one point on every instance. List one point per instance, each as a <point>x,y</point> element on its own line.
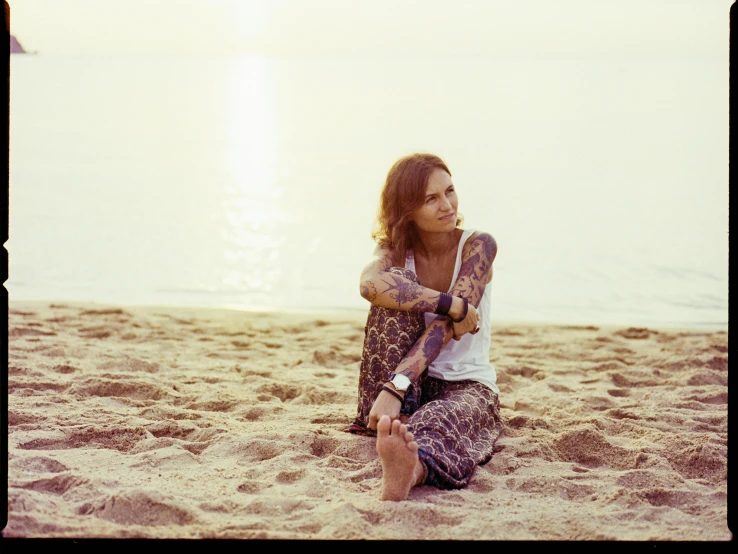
<point>489,27</point>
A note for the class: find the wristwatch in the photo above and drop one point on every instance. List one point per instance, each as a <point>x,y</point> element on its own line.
<point>400,382</point>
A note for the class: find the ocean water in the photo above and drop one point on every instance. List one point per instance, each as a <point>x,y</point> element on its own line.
<point>252,183</point>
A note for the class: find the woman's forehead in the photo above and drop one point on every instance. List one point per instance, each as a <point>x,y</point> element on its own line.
<point>439,180</point>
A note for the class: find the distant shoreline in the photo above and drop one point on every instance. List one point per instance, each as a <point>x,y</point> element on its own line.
<point>343,314</point>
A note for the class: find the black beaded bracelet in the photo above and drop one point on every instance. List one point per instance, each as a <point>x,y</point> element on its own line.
<point>444,304</point>
<point>466,311</point>
<point>393,393</point>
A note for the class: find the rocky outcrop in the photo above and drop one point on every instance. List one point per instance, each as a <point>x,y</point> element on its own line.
<point>15,46</point>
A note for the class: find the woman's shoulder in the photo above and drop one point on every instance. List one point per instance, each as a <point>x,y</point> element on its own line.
<point>477,234</point>
<point>393,255</point>
<point>483,239</point>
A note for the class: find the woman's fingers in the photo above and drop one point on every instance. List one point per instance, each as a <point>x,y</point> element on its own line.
<point>470,324</point>
<point>385,404</point>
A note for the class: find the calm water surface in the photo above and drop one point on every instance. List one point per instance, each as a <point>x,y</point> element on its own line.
<point>252,183</point>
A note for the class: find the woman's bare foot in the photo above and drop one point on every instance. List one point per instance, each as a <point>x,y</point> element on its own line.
<point>401,466</point>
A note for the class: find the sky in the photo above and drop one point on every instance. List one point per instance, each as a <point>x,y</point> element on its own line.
<point>695,28</point>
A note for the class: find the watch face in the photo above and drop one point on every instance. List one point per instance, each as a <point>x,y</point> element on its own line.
<point>401,382</point>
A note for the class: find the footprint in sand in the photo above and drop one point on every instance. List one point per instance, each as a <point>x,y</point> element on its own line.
<point>139,507</point>
<point>337,419</point>
<point>22,387</point>
<point>700,461</point>
<point>292,476</point>
<point>708,377</point>
<point>560,487</point>
<point>284,391</point>
<point>39,464</point>
<point>526,372</point>
<point>713,399</point>
<point>65,369</point>
<point>120,387</point>
<point>251,487</point>
<point>682,500</point>
<point>58,484</point>
<point>633,379</point>
<point>212,403</point>
<point>182,430</point>
<point>258,413</point>
<point>519,421</point>
<point>114,438</point>
<point>589,448</point>
<point>333,359</point>
<point>636,333</point>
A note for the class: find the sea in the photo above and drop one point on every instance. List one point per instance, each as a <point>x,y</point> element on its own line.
<point>252,182</point>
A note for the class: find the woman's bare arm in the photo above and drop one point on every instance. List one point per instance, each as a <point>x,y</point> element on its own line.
<point>390,290</point>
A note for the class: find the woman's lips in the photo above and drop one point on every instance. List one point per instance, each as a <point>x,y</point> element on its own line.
<point>447,217</point>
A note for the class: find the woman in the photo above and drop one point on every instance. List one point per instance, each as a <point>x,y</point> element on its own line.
<point>426,387</point>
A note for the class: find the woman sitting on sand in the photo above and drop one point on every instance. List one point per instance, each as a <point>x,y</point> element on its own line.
<point>431,401</point>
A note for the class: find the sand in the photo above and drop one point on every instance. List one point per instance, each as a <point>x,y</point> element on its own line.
<point>177,423</point>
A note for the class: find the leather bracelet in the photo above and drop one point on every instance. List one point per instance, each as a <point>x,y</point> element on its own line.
<point>444,303</point>
<point>393,393</point>
<point>466,311</point>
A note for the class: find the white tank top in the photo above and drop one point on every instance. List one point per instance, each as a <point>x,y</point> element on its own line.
<point>467,358</point>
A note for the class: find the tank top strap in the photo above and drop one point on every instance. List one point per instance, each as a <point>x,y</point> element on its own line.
<point>410,261</point>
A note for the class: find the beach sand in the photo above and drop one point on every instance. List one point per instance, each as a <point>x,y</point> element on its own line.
<point>144,422</point>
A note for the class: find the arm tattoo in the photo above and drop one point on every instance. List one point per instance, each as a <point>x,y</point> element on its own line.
<point>433,343</point>
<point>476,268</point>
<point>403,290</point>
<point>369,292</point>
<point>413,371</point>
<point>425,350</point>
<point>423,306</point>
<point>468,268</point>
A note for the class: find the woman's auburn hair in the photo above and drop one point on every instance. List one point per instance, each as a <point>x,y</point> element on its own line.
<point>404,192</point>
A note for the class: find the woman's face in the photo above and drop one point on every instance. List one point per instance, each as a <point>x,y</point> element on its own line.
<point>438,212</point>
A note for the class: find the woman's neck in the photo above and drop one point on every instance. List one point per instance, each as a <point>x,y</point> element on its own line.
<point>436,245</point>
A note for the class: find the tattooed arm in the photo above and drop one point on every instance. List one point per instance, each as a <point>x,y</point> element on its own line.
<point>475,273</point>
<point>389,290</point>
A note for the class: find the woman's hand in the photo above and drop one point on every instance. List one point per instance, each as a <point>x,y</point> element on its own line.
<point>470,324</point>
<point>385,404</point>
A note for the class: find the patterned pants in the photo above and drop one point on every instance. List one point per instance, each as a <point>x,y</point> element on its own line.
<point>455,423</point>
